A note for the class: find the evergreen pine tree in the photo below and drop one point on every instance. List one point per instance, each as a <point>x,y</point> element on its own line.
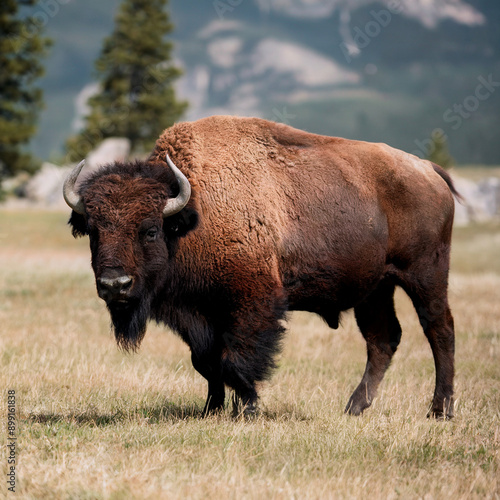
<point>136,98</point>
<point>21,47</point>
<point>438,151</point>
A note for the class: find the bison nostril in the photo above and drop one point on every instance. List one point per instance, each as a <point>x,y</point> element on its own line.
<point>114,288</point>
<point>126,282</point>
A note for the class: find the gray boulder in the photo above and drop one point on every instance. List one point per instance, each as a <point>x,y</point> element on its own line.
<point>481,200</point>
<point>108,151</point>
<point>45,187</point>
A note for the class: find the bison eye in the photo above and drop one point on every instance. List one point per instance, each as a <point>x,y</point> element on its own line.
<point>151,234</point>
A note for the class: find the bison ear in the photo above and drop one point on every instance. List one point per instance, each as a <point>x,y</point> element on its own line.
<point>181,223</point>
<point>78,223</point>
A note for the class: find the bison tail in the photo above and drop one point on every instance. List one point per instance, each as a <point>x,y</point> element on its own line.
<point>446,177</point>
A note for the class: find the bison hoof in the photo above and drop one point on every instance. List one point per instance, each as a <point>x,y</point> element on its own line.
<point>212,411</point>
<point>356,406</point>
<point>443,411</point>
<point>213,408</point>
<point>440,415</point>
<point>248,411</point>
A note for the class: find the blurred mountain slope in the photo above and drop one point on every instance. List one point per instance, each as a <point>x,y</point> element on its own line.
<point>410,69</point>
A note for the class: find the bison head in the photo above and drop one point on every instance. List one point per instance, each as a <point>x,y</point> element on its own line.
<point>134,214</point>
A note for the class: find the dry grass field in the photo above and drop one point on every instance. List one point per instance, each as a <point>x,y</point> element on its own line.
<point>95,423</point>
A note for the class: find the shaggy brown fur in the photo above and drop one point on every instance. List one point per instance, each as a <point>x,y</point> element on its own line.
<point>279,219</point>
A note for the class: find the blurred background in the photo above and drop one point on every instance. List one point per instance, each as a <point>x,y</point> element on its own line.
<point>420,75</point>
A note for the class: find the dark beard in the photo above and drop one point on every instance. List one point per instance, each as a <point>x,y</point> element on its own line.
<point>129,323</point>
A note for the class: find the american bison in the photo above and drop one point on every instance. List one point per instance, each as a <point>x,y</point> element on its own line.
<point>231,222</point>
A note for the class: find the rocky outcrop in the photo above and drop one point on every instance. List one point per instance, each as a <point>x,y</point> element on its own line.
<point>45,187</point>
<point>108,151</point>
<point>481,200</point>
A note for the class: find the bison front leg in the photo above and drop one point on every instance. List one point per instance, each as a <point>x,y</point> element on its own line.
<point>250,347</point>
<point>380,328</point>
<point>210,368</point>
<point>215,397</point>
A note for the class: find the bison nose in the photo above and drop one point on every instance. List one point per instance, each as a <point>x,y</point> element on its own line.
<point>113,288</point>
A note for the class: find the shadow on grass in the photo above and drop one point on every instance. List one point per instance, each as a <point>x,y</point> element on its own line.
<point>162,412</point>
<point>286,413</point>
<point>166,411</point>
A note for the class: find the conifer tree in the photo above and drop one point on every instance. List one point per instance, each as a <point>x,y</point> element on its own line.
<point>136,98</point>
<point>21,48</point>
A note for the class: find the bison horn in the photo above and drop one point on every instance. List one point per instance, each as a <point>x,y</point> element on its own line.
<point>70,196</point>
<point>176,204</point>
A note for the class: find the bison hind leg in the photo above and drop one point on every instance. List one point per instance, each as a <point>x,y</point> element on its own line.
<point>380,327</point>
<point>426,283</point>
<point>437,322</point>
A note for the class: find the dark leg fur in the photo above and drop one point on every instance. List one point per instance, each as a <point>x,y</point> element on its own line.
<point>245,406</point>
<point>211,370</point>
<point>250,348</point>
<point>437,322</point>
<point>243,354</point>
<point>429,295</point>
<point>380,328</point>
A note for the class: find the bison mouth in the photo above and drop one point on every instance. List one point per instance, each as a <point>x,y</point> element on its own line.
<point>129,319</point>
